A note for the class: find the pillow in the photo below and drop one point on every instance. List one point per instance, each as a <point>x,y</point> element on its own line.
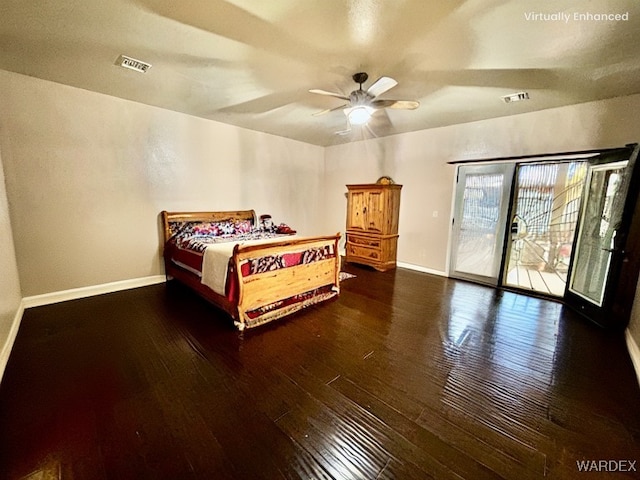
<point>216,229</point>
<point>283,228</point>
<point>180,228</point>
<point>243,226</point>
<point>212,229</point>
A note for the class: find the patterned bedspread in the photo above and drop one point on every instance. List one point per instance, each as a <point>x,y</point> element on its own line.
<point>216,251</point>
<point>191,242</point>
<point>199,243</point>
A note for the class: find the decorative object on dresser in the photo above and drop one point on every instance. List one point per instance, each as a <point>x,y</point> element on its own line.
<point>372,224</point>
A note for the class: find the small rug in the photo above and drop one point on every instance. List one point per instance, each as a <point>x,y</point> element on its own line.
<point>346,276</point>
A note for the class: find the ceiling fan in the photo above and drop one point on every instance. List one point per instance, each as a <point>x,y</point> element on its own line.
<point>363,103</point>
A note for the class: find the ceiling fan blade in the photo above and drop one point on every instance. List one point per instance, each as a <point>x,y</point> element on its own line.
<point>227,20</point>
<point>398,104</point>
<point>517,78</point>
<point>380,124</point>
<point>329,94</point>
<point>381,85</point>
<point>382,103</point>
<point>265,103</point>
<point>322,112</point>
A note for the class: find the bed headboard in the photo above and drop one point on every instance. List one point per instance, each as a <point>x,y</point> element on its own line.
<point>169,218</point>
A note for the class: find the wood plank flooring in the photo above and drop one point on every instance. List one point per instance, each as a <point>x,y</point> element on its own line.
<point>405,376</point>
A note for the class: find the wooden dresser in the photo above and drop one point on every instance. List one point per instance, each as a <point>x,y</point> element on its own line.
<point>372,224</point>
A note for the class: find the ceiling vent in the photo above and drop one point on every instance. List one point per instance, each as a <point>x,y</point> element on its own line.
<point>133,64</point>
<point>515,97</point>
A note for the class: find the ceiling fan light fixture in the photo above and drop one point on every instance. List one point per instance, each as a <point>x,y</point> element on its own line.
<point>359,115</point>
<point>364,103</point>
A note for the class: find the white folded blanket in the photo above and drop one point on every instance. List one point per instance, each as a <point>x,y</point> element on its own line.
<point>215,261</point>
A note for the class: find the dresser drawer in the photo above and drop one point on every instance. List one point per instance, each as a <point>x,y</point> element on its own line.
<point>362,252</point>
<point>363,241</point>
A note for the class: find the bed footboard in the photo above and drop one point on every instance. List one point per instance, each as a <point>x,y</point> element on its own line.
<point>278,289</point>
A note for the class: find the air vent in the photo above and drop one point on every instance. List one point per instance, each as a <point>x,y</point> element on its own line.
<point>515,97</point>
<point>133,64</point>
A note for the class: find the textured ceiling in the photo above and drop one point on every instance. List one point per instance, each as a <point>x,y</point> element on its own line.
<point>251,63</point>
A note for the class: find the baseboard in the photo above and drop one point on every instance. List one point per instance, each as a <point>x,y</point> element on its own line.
<point>11,338</point>
<point>75,293</point>
<point>418,268</point>
<point>634,352</point>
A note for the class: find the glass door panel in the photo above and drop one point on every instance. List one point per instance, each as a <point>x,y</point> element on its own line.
<point>482,194</point>
<point>601,218</point>
<point>545,211</point>
<point>589,259</point>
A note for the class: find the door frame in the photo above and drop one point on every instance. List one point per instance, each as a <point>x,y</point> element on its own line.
<point>507,248</point>
<point>620,293</point>
<point>508,170</point>
<point>624,264</point>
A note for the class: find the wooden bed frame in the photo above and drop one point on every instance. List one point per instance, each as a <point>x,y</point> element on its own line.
<point>262,289</point>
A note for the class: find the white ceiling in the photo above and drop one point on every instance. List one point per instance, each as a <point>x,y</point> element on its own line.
<point>251,63</point>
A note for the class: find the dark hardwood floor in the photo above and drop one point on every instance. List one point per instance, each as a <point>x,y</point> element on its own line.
<point>405,376</point>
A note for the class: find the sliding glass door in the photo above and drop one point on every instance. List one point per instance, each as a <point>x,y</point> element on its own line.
<point>545,209</point>
<point>559,228</point>
<point>482,197</point>
<point>598,229</point>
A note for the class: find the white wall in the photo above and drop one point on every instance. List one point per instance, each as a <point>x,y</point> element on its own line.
<point>418,161</point>
<point>10,295</point>
<point>87,175</point>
